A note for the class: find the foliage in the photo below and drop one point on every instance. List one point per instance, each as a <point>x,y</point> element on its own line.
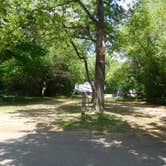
<point>142,41</point>
<point>12,101</point>
<point>38,50</point>
<point>35,46</point>
<point>24,71</point>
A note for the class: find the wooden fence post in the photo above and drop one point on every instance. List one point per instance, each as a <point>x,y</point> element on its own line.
<point>83,109</point>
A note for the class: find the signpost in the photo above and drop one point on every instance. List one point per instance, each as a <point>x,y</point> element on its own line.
<point>83,90</point>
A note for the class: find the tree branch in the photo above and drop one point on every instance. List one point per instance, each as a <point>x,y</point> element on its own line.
<point>85,64</point>
<point>86,11</point>
<point>64,3</point>
<point>76,50</point>
<point>79,28</point>
<point>85,38</point>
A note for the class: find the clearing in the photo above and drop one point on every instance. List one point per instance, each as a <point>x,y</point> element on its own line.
<point>50,132</point>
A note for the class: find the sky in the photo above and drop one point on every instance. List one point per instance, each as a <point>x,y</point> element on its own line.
<point>126,4</point>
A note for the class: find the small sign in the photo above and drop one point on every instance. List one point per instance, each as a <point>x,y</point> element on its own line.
<point>86,87</point>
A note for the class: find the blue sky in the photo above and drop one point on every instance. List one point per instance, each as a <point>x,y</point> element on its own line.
<point>126,4</point>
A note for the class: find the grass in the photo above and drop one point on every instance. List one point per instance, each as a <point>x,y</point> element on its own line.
<point>98,122</point>
<point>22,100</point>
<point>123,99</point>
<point>72,109</point>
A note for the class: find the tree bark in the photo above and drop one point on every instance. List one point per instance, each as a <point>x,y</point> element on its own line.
<point>100,53</point>
<point>100,58</point>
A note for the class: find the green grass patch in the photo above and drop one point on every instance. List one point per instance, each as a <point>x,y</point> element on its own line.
<point>69,109</point>
<point>123,99</point>
<point>22,100</point>
<point>97,122</point>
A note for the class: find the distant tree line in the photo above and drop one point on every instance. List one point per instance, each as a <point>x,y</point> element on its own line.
<point>48,46</point>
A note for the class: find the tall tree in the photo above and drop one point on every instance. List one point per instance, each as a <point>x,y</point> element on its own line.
<point>94,24</point>
<point>90,24</point>
<point>33,43</point>
<point>100,58</point>
<point>143,42</point>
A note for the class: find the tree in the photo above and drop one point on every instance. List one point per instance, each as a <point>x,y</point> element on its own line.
<point>90,26</point>
<point>37,51</point>
<point>143,43</point>
<point>100,58</point>
<point>95,24</point>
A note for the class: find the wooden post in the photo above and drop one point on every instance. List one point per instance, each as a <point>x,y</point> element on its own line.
<point>44,88</point>
<point>83,109</point>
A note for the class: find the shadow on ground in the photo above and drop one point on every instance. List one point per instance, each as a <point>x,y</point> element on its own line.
<point>22,100</point>
<point>121,147</point>
<point>142,111</point>
<point>97,123</point>
<point>25,100</point>
<point>81,149</point>
<point>94,122</point>
<point>126,108</point>
<point>158,127</point>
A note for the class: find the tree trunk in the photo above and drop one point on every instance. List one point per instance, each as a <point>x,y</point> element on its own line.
<point>89,80</point>
<point>100,58</point>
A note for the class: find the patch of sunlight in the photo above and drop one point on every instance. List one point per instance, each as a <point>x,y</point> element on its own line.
<point>2,152</point>
<point>106,144</point>
<point>162,158</point>
<point>6,162</point>
<point>133,151</point>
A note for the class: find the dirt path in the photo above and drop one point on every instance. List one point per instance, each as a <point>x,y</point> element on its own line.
<point>150,118</point>
<point>20,120</point>
<point>29,138</point>
<point>17,121</point>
